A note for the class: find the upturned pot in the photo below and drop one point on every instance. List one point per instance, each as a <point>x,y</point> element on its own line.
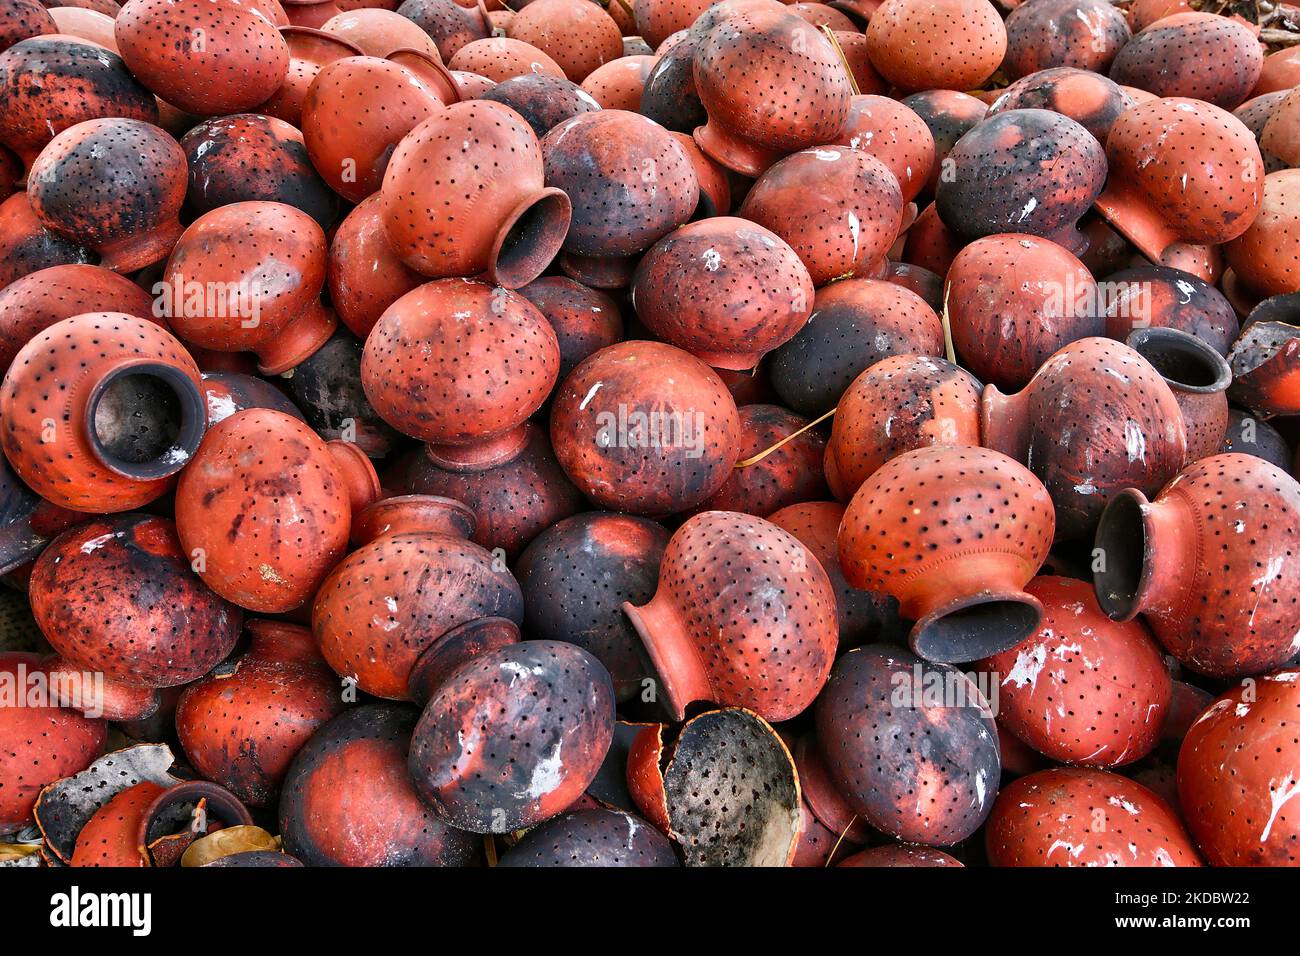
<point>449,24</point>
<point>23,19</point>
<point>577,34</point>
<point>657,20</point>
<point>480,210</point>
<point>1266,257</point>
<point>585,320</point>
<point>1159,297</point>
<point>262,478</point>
<point>380,32</point>
<point>1238,509</point>
<point>364,275</point>
<point>500,58</point>
<point>127,415</point>
<point>1201,56</point>
<point>949,115</point>
<point>943,45</point>
<point>1088,98</point>
<point>310,51</point>
<point>1278,135</point>
<point>894,134</point>
<point>1084,34</point>
<point>618,85</point>
<point>310,14</point>
<point>543,101</point>
<point>780,463</point>
<point>1198,376</point>
<point>959,567</point>
<point>669,96</point>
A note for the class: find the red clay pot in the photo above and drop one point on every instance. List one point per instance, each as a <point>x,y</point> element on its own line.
<point>1197,55</point>
<point>949,115</point>
<point>946,44</point>
<point>1084,34</point>
<point>715,187</point>
<point>596,837</point>
<point>50,83</point>
<point>1198,376</point>
<point>1034,293</point>
<point>771,84</point>
<point>471,86</point>
<point>267,260</point>
<point>206,57</point>
<point>309,14</point>
<point>127,415</point>
<point>577,34</point>
<point>86,24</point>
<point>1088,98</point>
<point>1096,418</point>
<point>723,646</point>
<point>958,569</point>
<point>895,135</point>
<point>898,404</point>
<point>1236,774</point>
<point>258,470</point>
<point>1229,517</point>
<point>585,320</point>
<point>1255,114</point>
<point>230,392</point>
<point>310,51</point>
<point>26,246</point>
<point>22,19</point>
<point>919,280</point>
<point>784,476</point>
<point>509,225</point>
<point>449,24</point>
<point>543,101</point>
<point>427,357</point>
<point>1128,689</point>
<point>500,58</point>
<point>348,799</point>
<point>1070,816</point>
<point>1022,171</point>
<point>1181,171</point>
<point>1158,297</point>
<point>630,183</point>
<point>656,20</point>
<point>1266,257</point>
<point>930,244</point>
<point>901,855</point>
<point>695,289</point>
<point>379,32</point>
<point>618,85</point>
<point>885,747</point>
<point>645,428</point>
<point>365,276</point>
<point>1281,71</point>
<point>242,725</point>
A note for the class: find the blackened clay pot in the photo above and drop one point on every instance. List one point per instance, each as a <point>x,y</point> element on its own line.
<point>1198,376</point>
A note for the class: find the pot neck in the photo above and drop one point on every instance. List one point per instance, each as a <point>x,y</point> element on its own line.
<point>1144,554</point>
<point>671,647</point>
<point>1188,365</point>
<point>1004,421</point>
<point>407,514</point>
<point>356,472</point>
<point>491,452</point>
<point>462,643</point>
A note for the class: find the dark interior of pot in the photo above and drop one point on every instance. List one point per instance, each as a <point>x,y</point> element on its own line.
<point>147,420</point>
<point>1182,359</point>
<point>532,240</point>
<point>976,630</point>
<point>1121,545</point>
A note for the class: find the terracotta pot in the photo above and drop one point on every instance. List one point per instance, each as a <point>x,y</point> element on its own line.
<point>823,797</point>
<point>242,725</point>
<point>1281,71</point>
<point>618,85</point>
<point>575,577</point>
<point>241,61</point>
<point>695,289</point>
<point>1156,296</point>
<point>1266,257</point>
<point>310,51</point>
<point>365,276</point>
<point>715,188</point>
<point>444,357</point>
<point>1198,55</point>
<point>261,469</point>
<point>1198,376</point>
<point>543,101</point>
<point>1091,100</point>
<point>471,86</point>
<point>899,404</point>
<point>451,25</point>
<point>379,32</point>
<point>547,708</point>
<point>350,146</point>
<point>50,83</point>
<point>656,20</point>
<point>1181,171</point>
<point>630,183</point>
<point>78,22</point>
<point>722,645</point>
<point>1153,564</point>
<point>577,34</point>
<point>1037,295</point>
<point>645,428</point>
<point>1096,418</point>
<point>754,119</point>
<point>1085,34</point>
<point>930,244</point>
<point>585,320</point>
<point>895,135</point>
<point>669,96</point>
<point>254,158</point>
<point>1022,171</point>
<point>595,837</point>
<point>268,261</point>
<point>1255,114</point>
<point>784,476</point>
<point>948,45</point>
<point>328,389</point>
<point>23,19</point>
<point>127,415</point>
<point>500,58</point>
<point>948,115</point>
<point>1250,436</point>
<point>228,392</point>
<point>310,14</point>
<point>966,595</point>
<point>508,225</point>
<point>1070,816</point>
<point>1235,774</point>
<point>1265,359</point>
<point>26,246</point>
<point>348,799</point>
<point>919,280</point>
<point>869,720</point>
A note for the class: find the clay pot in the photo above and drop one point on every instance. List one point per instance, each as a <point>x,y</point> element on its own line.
<point>446,215</point>
<point>898,404</point>
<point>715,187</point>
<point>22,19</point>
<point>784,476</point>
<point>268,260</point>
<point>1096,418</point>
<point>254,158</point>
<point>669,96</point>
<point>1265,358</point>
<point>310,51</point>
<point>695,288</point>
<point>1198,376</point>
<point>895,135</point>
<point>721,644</point>
<point>1070,816</point>
<point>328,389</point>
<point>349,145</point>
<point>348,799</point>
<point>577,34</point>
<point>837,207</point>
<point>206,57</point>
<point>500,58</point>
<point>127,415</point>
<point>1235,774</point>
<point>228,392</point>
<point>1255,114</point>
<point>42,744</point>
<point>26,246</point>
<point>444,357</point>
<point>870,721</point>
<point>901,855</point>
<point>451,25</point>
<point>1181,171</point>
<point>78,22</point>
<point>584,320</point>
<point>471,86</point>
<point>1266,257</point>
<point>1036,295</point>
<point>27,523</point>
<point>930,244</point>
<point>919,280</point>
<point>959,568</point>
<point>309,14</point>
<point>1022,171</point>
<point>114,185</point>
<point>948,45</point>
<point>1237,508</point>
<point>1085,34</point>
<point>630,183</point>
<point>379,32</point>
<point>1159,297</point>
<point>365,276</point>
<point>949,115</point>
<point>39,299</point>
<point>618,85</point>
<point>656,20</point>
<point>755,118</point>
<point>259,470</point>
<point>645,428</point>
<point>543,101</point>
<point>1197,55</point>
<point>50,83</point>
<point>544,715</point>
<point>575,577</point>
<point>594,837</point>
<point>1091,100</point>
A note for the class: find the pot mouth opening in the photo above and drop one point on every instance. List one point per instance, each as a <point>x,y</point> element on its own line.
<point>530,239</point>
<point>975,628</point>
<point>145,421</point>
<point>1121,545</point>
<point>1182,359</point>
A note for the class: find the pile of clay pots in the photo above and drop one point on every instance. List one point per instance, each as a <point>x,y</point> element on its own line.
<point>649,434</point>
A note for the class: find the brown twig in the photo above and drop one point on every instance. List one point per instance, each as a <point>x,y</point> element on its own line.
<point>844,60</point>
<point>755,459</point>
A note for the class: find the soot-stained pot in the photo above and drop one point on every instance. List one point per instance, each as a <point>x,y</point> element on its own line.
<point>1198,376</point>
<point>594,837</point>
<point>1090,99</point>
<point>543,101</point>
<point>1250,436</point>
<point>230,392</point>
<point>327,388</point>
<point>949,115</point>
<point>669,97</point>
<point>1198,55</point>
<point>1160,297</point>
<point>783,475</point>
<point>1084,34</point>
<point>894,134</point>
<point>26,246</point>
<point>27,523</point>
<point>936,44</point>
<point>23,19</point>
<point>585,320</point>
<point>310,51</point>
<point>449,24</point>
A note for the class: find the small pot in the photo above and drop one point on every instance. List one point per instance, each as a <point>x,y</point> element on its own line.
<point>657,20</point>
<point>1084,34</point>
<point>936,44</point>
<point>669,96</point>
<point>1201,56</point>
<point>23,19</point>
<point>228,392</point>
<point>789,472</point>
<point>618,85</point>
